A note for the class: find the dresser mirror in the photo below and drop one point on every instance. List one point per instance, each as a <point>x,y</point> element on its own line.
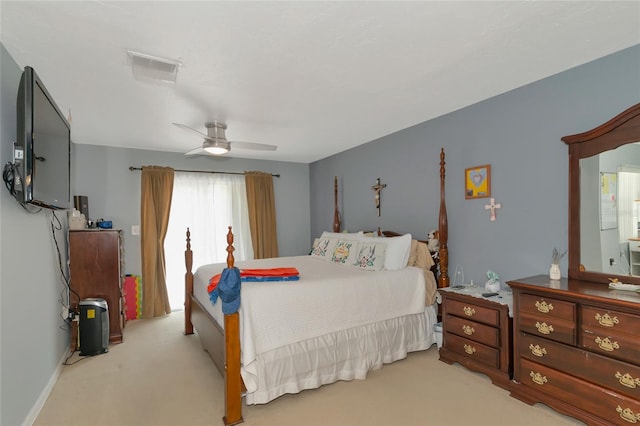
<point>604,217</point>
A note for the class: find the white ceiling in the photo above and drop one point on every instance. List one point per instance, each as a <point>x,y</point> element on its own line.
<point>313,77</point>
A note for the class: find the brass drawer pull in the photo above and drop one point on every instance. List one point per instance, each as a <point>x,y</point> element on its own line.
<point>627,380</point>
<point>537,350</point>
<point>627,415</point>
<point>544,307</point>
<point>544,328</point>
<point>468,311</point>
<point>468,330</point>
<point>469,349</point>
<point>606,344</point>
<point>606,321</point>
<point>538,378</point>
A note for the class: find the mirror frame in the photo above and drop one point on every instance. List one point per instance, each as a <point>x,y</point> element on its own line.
<point>624,128</point>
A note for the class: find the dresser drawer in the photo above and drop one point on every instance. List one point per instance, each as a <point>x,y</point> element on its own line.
<point>552,328</point>
<point>605,320</point>
<point>615,375</point>
<point>548,307</point>
<point>610,406</point>
<point>471,311</point>
<point>482,353</point>
<point>475,331</point>
<point>616,345</point>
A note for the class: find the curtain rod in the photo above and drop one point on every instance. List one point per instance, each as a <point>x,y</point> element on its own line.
<point>205,171</point>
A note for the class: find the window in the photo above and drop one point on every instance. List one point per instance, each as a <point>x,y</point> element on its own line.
<point>207,204</point>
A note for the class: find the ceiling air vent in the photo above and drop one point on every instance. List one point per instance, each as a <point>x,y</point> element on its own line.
<point>149,67</point>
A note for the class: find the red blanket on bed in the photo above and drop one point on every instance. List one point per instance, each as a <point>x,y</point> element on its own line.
<point>267,272</point>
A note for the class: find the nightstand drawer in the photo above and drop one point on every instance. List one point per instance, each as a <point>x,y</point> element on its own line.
<point>469,348</point>
<point>472,311</point>
<point>482,333</point>
<point>547,307</point>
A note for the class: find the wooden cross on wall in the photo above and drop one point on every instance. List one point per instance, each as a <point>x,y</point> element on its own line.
<point>377,188</point>
<point>493,206</point>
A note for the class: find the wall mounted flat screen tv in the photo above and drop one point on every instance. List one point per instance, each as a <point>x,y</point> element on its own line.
<point>42,152</point>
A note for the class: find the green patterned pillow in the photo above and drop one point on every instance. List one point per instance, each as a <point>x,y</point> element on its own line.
<point>370,256</point>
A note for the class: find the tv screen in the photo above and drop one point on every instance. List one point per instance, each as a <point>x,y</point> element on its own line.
<point>43,147</point>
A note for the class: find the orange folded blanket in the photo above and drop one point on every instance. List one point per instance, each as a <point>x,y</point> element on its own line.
<point>265,272</point>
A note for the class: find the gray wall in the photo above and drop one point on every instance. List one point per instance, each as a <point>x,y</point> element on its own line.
<point>518,133</point>
<point>33,336</point>
<point>103,174</point>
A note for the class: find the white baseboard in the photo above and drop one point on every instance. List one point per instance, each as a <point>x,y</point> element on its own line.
<point>35,410</point>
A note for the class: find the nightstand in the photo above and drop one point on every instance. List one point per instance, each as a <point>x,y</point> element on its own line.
<point>477,332</point>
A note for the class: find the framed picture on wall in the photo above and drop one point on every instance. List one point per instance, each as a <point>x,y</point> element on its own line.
<point>477,182</point>
<point>608,201</point>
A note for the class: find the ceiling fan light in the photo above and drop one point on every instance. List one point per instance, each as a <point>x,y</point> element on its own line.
<point>216,147</point>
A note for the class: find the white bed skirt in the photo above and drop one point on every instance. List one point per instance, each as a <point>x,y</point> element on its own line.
<point>343,355</point>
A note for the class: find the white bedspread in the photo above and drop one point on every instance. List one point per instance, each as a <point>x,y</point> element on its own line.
<point>327,298</point>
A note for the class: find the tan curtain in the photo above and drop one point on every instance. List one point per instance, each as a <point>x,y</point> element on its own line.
<point>157,188</point>
<point>262,214</point>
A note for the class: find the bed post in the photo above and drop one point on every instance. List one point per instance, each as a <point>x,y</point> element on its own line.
<point>443,230</point>
<point>188,286</point>
<point>336,212</point>
<point>232,378</point>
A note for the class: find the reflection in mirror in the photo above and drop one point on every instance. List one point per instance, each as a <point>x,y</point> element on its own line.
<point>609,204</point>
<point>604,214</point>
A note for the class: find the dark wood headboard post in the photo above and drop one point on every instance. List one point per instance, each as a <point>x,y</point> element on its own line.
<point>232,378</point>
<point>336,212</point>
<point>443,230</point>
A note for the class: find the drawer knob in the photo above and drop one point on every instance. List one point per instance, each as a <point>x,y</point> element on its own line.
<point>469,349</point>
<point>538,378</point>
<point>468,311</point>
<point>627,415</point>
<point>468,330</point>
<point>544,328</point>
<point>627,380</point>
<point>544,307</point>
<point>606,321</point>
<point>537,350</point>
<point>606,344</point>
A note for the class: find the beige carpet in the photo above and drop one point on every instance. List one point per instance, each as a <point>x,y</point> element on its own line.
<point>159,376</point>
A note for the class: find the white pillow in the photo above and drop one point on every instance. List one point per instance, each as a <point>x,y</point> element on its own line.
<point>324,248</point>
<point>397,253</point>
<point>342,235</point>
<point>370,256</point>
<point>345,252</point>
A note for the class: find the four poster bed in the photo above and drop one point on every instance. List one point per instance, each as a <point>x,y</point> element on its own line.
<point>337,322</point>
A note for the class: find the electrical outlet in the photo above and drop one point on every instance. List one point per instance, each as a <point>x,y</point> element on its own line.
<point>612,261</point>
<point>135,229</point>
<point>65,312</point>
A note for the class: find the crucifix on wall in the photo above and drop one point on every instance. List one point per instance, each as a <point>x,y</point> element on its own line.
<point>377,188</point>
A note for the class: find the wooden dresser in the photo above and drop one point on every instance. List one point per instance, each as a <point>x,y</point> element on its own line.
<point>477,334</point>
<point>96,260</point>
<point>577,349</point>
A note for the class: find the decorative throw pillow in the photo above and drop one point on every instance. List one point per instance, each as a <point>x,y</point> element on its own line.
<point>370,256</point>
<point>324,248</point>
<point>397,253</point>
<point>345,252</point>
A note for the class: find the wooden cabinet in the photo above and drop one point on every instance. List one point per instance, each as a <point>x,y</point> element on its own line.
<point>576,349</point>
<point>477,334</point>
<point>96,268</point>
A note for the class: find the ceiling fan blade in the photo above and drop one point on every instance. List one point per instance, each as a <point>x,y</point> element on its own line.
<point>197,151</point>
<point>192,130</point>
<point>254,146</point>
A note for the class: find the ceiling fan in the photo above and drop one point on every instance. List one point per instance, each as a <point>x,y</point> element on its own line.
<point>216,143</point>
